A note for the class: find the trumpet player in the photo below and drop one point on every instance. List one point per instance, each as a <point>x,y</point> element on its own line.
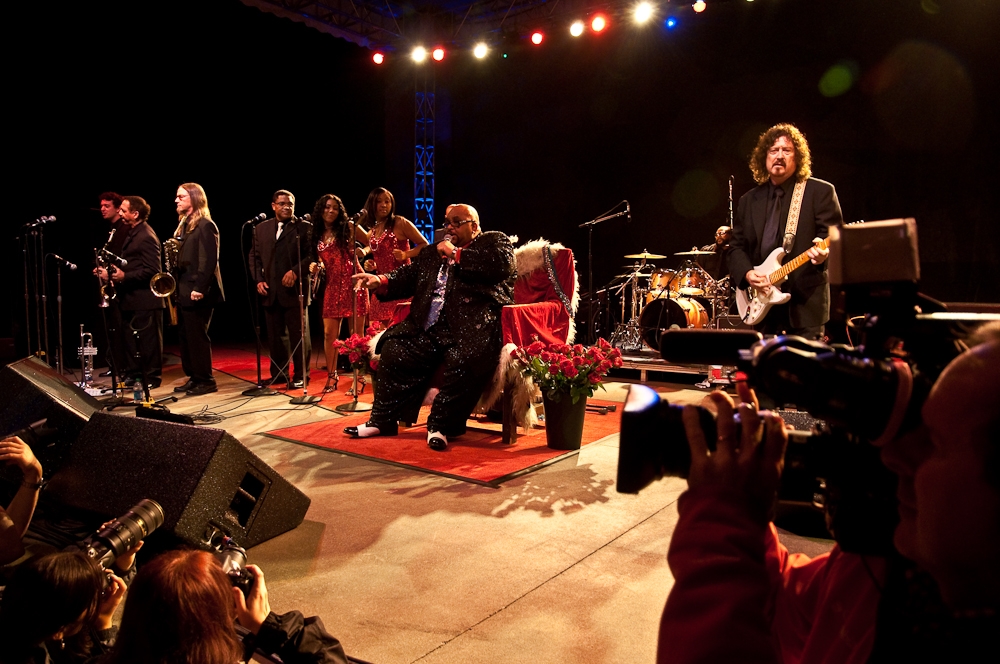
<point>141,331</point>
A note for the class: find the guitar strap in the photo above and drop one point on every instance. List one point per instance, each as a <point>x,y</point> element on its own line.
<point>793,216</point>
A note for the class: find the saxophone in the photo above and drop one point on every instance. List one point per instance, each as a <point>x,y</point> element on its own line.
<point>163,283</point>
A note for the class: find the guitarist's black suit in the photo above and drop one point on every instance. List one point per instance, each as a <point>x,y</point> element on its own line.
<point>808,285</point>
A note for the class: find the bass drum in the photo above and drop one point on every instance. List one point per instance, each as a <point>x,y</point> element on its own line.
<point>670,314</point>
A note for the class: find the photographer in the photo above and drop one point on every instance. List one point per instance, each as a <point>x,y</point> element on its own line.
<point>56,608</point>
<point>15,519</point>
<point>740,596</point>
<point>182,607</point>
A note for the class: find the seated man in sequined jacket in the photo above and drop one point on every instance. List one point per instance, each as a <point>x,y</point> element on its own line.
<point>453,329</point>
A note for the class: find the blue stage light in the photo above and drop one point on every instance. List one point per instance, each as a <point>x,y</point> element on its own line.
<point>671,23</point>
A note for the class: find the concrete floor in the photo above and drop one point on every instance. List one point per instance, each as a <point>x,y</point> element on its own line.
<point>555,566</point>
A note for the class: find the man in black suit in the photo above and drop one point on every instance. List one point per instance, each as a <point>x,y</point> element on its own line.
<point>779,163</point>
<point>141,332</point>
<point>275,261</point>
<point>458,293</point>
<point>199,286</point>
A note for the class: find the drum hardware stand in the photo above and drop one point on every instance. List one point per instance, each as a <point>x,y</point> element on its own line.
<point>627,336</point>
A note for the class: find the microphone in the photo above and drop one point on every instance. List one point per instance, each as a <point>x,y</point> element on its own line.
<point>71,266</point>
<point>448,237</point>
<point>307,217</point>
<point>628,212</point>
<point>117,259</point>
<point>40,222</point>
<point>256,220</point>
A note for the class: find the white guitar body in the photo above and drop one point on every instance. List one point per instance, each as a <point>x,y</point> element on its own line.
<point>753,304</point>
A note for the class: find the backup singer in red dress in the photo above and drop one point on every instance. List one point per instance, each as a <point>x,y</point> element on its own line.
<point>335,250</point>
<point>393,239</point>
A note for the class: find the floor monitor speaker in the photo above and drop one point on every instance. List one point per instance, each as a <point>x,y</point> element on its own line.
<point>208,483</point>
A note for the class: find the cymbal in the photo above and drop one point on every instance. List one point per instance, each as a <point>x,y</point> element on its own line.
<point>694,252</point>
<point>644,254</point>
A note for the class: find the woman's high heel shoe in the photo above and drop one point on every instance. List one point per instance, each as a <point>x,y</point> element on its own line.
<point>331,382</point>
<point>363,381</point>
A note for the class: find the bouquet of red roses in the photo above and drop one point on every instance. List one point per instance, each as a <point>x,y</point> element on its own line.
<point>560,369</point>
<point>358,349</point>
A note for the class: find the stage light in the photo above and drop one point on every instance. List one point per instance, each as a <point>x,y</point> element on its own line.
<point>537,37</point>
<point>671,23</point>
<point>576,29</point>
<point>699,6</point>
<point>480,50</point>
<point>598,23</point>
<point>643,12</point>
<point>378,58</point>
<point>419,54</point>
<point>438,54</point>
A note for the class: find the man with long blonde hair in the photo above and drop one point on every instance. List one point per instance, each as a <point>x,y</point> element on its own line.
<point>199,286</point>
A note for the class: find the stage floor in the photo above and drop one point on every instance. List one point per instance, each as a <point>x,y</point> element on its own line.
<point>553,566</point>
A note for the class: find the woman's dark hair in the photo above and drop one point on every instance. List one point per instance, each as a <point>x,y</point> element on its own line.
<point>180,608</point>
<point>340,228</point>
<point>45,595</point>
<point>370,208</point>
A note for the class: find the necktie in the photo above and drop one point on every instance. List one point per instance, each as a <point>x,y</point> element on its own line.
<point>438,302</point>
<point>770,238</point>
<point>278,234</point>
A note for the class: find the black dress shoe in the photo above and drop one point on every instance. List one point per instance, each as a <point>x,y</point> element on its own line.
<point>383,430</point>
<point>203,388</point>
<point>154,382</point>
<point>105,374</point>
<point>185,387</point>
<point>295,384</point>
<point>278,380</point>
<point>437,443</point>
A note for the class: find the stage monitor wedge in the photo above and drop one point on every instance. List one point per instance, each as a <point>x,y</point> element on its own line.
<point>31,390</point>
<point>207,481</point>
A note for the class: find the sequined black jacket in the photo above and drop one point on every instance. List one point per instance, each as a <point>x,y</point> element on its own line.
<point>481,283</point>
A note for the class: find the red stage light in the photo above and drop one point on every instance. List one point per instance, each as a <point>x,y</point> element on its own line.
<point>438,54</point>
<point>598,23</point>
<point>537,38</point>
<point>378,58</point>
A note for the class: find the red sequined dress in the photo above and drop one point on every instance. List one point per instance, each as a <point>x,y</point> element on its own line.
<point>382,247</point>
<point>339,268</point>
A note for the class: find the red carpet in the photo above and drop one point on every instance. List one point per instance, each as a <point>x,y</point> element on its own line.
<point>477,457</point>
<point>243,364</point>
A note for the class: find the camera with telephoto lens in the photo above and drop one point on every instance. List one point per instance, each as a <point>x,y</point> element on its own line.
<point>233,559</point>
<point>861,396</point>
<point>120,535</point>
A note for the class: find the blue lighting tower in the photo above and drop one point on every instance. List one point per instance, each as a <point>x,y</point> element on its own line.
<point>423,163</point>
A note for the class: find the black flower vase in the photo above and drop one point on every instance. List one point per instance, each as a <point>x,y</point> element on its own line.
<point>564,421</point>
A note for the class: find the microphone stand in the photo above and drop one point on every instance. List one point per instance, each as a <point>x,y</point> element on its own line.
<point>305,398</point>
<point>260,390</point>
<point>27,296</point>
<point>45,293</point>
<point>590,268</point>
<point>354,406</point>
<point>59,323</point>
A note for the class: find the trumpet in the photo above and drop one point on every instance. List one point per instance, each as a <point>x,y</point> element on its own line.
<point>163,283</point>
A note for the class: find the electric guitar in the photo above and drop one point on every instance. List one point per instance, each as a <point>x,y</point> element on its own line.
<point>753,304</point>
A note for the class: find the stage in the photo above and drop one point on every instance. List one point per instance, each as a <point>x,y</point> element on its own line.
<point>404,565</point>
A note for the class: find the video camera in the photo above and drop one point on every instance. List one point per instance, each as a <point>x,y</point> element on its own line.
<point>863,394</point>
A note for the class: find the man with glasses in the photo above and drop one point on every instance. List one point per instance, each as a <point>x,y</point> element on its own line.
<point>458,288</point>
<point>782,166</point>
<point>274,259</point>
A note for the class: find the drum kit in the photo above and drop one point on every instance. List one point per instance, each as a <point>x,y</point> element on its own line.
<point>687,297</point>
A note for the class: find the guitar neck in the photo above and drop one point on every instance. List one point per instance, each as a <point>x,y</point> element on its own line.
<point>779,275</point>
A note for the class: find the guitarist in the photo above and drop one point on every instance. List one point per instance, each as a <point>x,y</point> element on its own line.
<point>779,161</point>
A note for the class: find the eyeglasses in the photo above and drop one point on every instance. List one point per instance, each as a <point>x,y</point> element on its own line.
<point>456,223</point>
<point>285,205</point>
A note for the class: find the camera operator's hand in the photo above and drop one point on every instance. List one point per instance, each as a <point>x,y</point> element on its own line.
<point>16,452</point>
<point>253,609</point>
<point>751,465</point>
<point>111,597</point>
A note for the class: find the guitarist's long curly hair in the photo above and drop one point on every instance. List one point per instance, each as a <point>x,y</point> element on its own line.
<point>758,159</point>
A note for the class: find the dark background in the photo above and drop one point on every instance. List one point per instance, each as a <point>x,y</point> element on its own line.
<point>139,97</point>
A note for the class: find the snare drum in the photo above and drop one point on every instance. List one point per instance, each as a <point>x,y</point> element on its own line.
<point>688,281</point>
<point>668,314</point>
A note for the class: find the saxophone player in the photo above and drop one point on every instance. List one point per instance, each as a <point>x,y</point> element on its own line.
<point>199,286</point>
<point>141,333</point>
